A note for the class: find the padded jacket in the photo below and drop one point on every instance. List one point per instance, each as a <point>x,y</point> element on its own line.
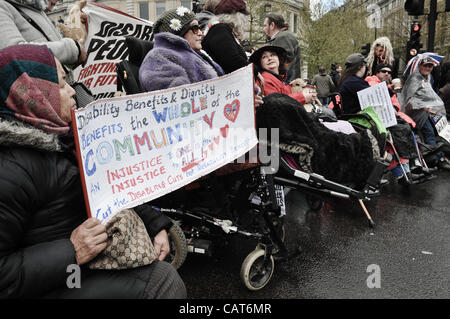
<point>17,30</point>
<point>272,84</point>
<point>41,203</point>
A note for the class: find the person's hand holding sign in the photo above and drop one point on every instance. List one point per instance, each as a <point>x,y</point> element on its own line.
<point>89,239</point>
<point>429,110</point>
<point>161,244</point>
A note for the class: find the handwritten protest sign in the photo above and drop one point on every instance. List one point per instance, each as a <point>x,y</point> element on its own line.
<point>378,98</point>
<point>105,45</point>
<point>442,127</point>
<point>135,148</point>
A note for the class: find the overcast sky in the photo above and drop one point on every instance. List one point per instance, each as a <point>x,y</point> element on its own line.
<point>327,3</point>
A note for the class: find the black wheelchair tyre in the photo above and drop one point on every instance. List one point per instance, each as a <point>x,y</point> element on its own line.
<point>178,246</point>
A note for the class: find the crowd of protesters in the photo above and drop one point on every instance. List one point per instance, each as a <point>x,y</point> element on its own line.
<point>44,226</point>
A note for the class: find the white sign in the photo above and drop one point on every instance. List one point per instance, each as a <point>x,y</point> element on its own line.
<point>378,98</point>
<point>133,149</point>
<point>105,45</point>
<point>443,128</point>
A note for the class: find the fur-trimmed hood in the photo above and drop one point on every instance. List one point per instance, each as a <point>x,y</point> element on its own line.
<point>14,133</point>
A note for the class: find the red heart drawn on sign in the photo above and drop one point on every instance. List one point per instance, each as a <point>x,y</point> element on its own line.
<point>224,131</point>
<point>231,111</point>
<point>217,139</point>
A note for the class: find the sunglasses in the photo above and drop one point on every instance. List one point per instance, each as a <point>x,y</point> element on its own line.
<point>195,28</point>
<point>386,71</point>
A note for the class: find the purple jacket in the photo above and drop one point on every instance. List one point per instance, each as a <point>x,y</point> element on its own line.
<point>172,62</point>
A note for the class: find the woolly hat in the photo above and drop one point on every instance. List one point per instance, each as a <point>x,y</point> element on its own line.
<point>30,87</point>
<point>231,6</point>
<point>176,21</point>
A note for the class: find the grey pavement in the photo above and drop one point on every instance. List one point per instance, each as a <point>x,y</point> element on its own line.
<point>410,244</point>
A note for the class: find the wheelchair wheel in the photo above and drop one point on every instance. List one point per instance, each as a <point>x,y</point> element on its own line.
<point>256,271</point>
<point>178,246</point>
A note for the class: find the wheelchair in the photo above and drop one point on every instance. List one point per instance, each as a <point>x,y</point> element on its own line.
<point>250,209</point>
<point>391,134</point>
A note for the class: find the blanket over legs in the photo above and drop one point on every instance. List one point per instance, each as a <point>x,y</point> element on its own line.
<point>342,158</point>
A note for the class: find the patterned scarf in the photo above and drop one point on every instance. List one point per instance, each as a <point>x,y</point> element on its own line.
<point>29,89</point>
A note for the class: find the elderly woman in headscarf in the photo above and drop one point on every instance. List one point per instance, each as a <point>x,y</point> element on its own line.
<point>44,226</point>
<point>420,101</point>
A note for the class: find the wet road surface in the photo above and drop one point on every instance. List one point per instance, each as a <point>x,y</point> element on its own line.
<point>410,245</point>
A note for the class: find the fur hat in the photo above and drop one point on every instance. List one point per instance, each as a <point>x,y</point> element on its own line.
<point>176,21</point>
<point>231,6</point>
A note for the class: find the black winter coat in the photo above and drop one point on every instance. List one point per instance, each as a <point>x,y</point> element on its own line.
<point>222,47</point>
<point>41,203</point>
<point>348,91</point>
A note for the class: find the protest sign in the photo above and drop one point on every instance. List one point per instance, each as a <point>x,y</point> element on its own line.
<point>133,149</point>
<point>378,98</point>
<point>442,127</point>
<point>105,45</point>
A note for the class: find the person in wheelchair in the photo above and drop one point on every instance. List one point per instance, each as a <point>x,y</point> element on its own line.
<point>421,103</point>
<point>353,81</point>
<point>342,158</point>
<point>402,133</point>
<point>176,57</point>
<point>301,133</point>
<point>269,61</point>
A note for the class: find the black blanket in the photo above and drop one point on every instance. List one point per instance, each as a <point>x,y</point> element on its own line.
<point>346,159</point>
